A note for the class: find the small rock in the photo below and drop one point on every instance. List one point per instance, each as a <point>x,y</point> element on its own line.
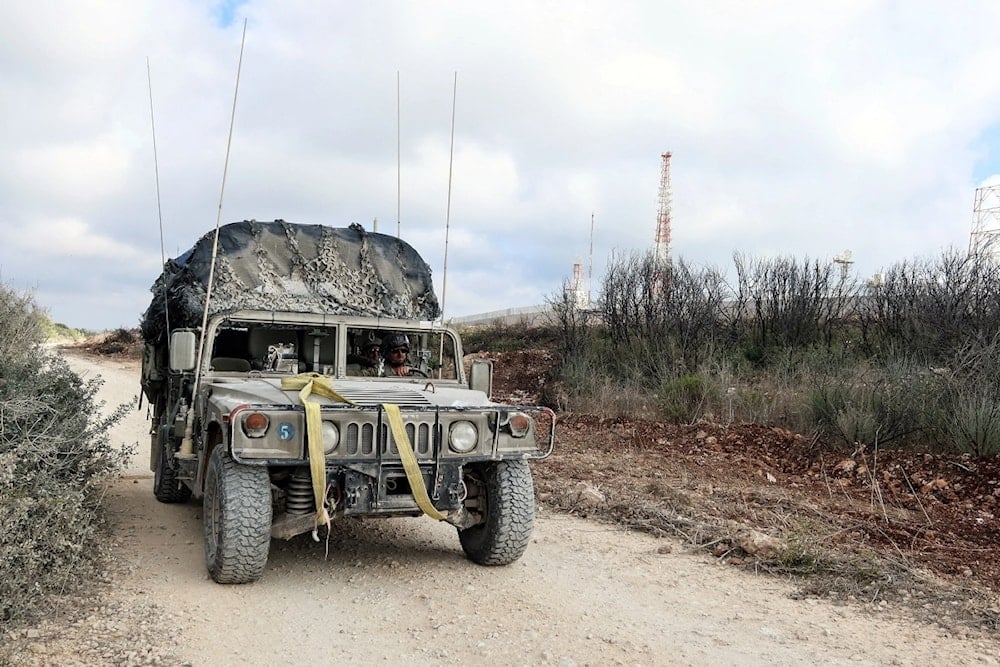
<point>846,465</point>
<point>588,495</point>
<point>758,544</point>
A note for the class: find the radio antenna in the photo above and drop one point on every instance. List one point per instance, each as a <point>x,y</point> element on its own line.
<point>159,208</point>
<point>447,217</point>
<point>187,447</point>
<point>398,193</point>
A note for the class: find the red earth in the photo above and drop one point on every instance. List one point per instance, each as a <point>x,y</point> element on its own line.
<point>870,524</point>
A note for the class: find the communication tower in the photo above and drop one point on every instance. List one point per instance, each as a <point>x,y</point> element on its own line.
<point>576,290</point>
<point>983,241</point>
<point>845,261</point>
<point>661,245</point>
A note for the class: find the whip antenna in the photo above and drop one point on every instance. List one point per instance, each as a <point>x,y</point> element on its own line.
<point>447,219</point>
<point>159,208</point>
<point>187,448</point>
<point>398,194</point>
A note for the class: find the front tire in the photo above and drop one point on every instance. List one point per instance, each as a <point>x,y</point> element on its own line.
<point>237,516</point>
<point>166,487</point>
<point>501,493</point>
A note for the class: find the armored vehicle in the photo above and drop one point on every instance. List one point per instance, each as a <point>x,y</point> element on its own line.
<point>297,378</point>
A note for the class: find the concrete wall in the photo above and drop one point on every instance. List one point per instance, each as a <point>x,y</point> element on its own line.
<point>531,315</point>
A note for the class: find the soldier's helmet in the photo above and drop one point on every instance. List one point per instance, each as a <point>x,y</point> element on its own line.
<point>396,340</point>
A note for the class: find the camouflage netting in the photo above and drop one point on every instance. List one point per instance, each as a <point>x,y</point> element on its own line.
<point>283,266</point>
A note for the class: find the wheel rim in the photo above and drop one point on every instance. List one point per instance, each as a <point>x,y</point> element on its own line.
<point>476,489</point>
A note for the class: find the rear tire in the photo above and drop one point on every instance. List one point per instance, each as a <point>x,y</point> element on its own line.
<point>502,494</point>
<point>237,516</point>
<point>166,487</point>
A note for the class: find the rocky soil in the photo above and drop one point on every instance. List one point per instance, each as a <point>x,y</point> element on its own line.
<point>654,544</point>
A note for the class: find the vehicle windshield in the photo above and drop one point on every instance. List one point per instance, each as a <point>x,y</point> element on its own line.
<point>400,353</point>
<point>242,347</point>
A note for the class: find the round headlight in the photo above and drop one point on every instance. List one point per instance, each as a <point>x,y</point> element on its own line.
<point>519,424</point>
<point>331,436</point>
<point>255,424</point>
<point>463,437</point>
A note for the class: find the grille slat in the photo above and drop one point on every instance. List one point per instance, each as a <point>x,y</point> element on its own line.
<point>419,434</point>
<point>359,437</point>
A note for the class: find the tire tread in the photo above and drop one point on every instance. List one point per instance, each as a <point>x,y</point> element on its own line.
<point>245,515</point>
<point>505,534</point>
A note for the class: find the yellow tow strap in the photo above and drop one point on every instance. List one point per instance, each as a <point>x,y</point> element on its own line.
<point>409,460</point>
<point>314,383</point>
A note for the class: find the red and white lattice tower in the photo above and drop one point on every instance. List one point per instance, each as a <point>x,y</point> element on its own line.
<point>661,246</point>
<point>984,241</point>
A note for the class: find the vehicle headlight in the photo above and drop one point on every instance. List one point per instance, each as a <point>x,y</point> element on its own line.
<point>463,437</point>
<point>331,436</point>
<point>519,424</point>
<point>255,424</point>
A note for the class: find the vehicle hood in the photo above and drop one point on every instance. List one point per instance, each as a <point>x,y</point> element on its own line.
<point>227,393</point>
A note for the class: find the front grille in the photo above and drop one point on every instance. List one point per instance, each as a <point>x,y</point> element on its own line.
<point>419,433</point>
<point>359,437</point>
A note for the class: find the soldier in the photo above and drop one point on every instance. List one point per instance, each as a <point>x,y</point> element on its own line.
<point>395,349</point>
<point>373,354</point>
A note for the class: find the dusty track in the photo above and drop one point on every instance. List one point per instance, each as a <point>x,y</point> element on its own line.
<point>400,591</point>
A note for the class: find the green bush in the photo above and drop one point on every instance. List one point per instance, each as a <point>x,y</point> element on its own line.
<point>887,402</point>
<point>974,426</point>
<point>685,399</point>
<point>55,460</point>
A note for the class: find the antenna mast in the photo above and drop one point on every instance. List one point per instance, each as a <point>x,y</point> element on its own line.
<point>159,208</point>
<point>447,217</point>
<point>985,223</point>
<point>661,245</point>
<point>187,446</point>
<point>398,193</point>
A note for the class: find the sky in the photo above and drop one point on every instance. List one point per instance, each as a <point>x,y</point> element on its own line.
<point>796,128</point>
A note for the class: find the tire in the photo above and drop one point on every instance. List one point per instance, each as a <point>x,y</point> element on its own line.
<point>237,516</point>
<point>166,487</point>
<point>506,501</point>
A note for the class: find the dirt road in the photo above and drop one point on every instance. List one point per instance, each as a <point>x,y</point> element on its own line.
<point>400,592</point>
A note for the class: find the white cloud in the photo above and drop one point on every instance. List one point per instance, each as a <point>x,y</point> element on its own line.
<point>796,128</point>
<point>68,238</point>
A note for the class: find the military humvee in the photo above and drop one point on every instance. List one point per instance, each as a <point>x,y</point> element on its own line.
<point>265,404</point>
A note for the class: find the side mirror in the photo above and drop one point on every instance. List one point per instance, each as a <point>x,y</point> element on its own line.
<point>183,350</point>
<point>481,376</point>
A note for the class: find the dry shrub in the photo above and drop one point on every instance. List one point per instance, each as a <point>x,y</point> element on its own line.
<point>55,459</point>
<point>120,342</point>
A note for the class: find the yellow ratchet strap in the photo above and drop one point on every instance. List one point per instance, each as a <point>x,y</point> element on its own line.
<point>409,460</point>
<point>314,383</point>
